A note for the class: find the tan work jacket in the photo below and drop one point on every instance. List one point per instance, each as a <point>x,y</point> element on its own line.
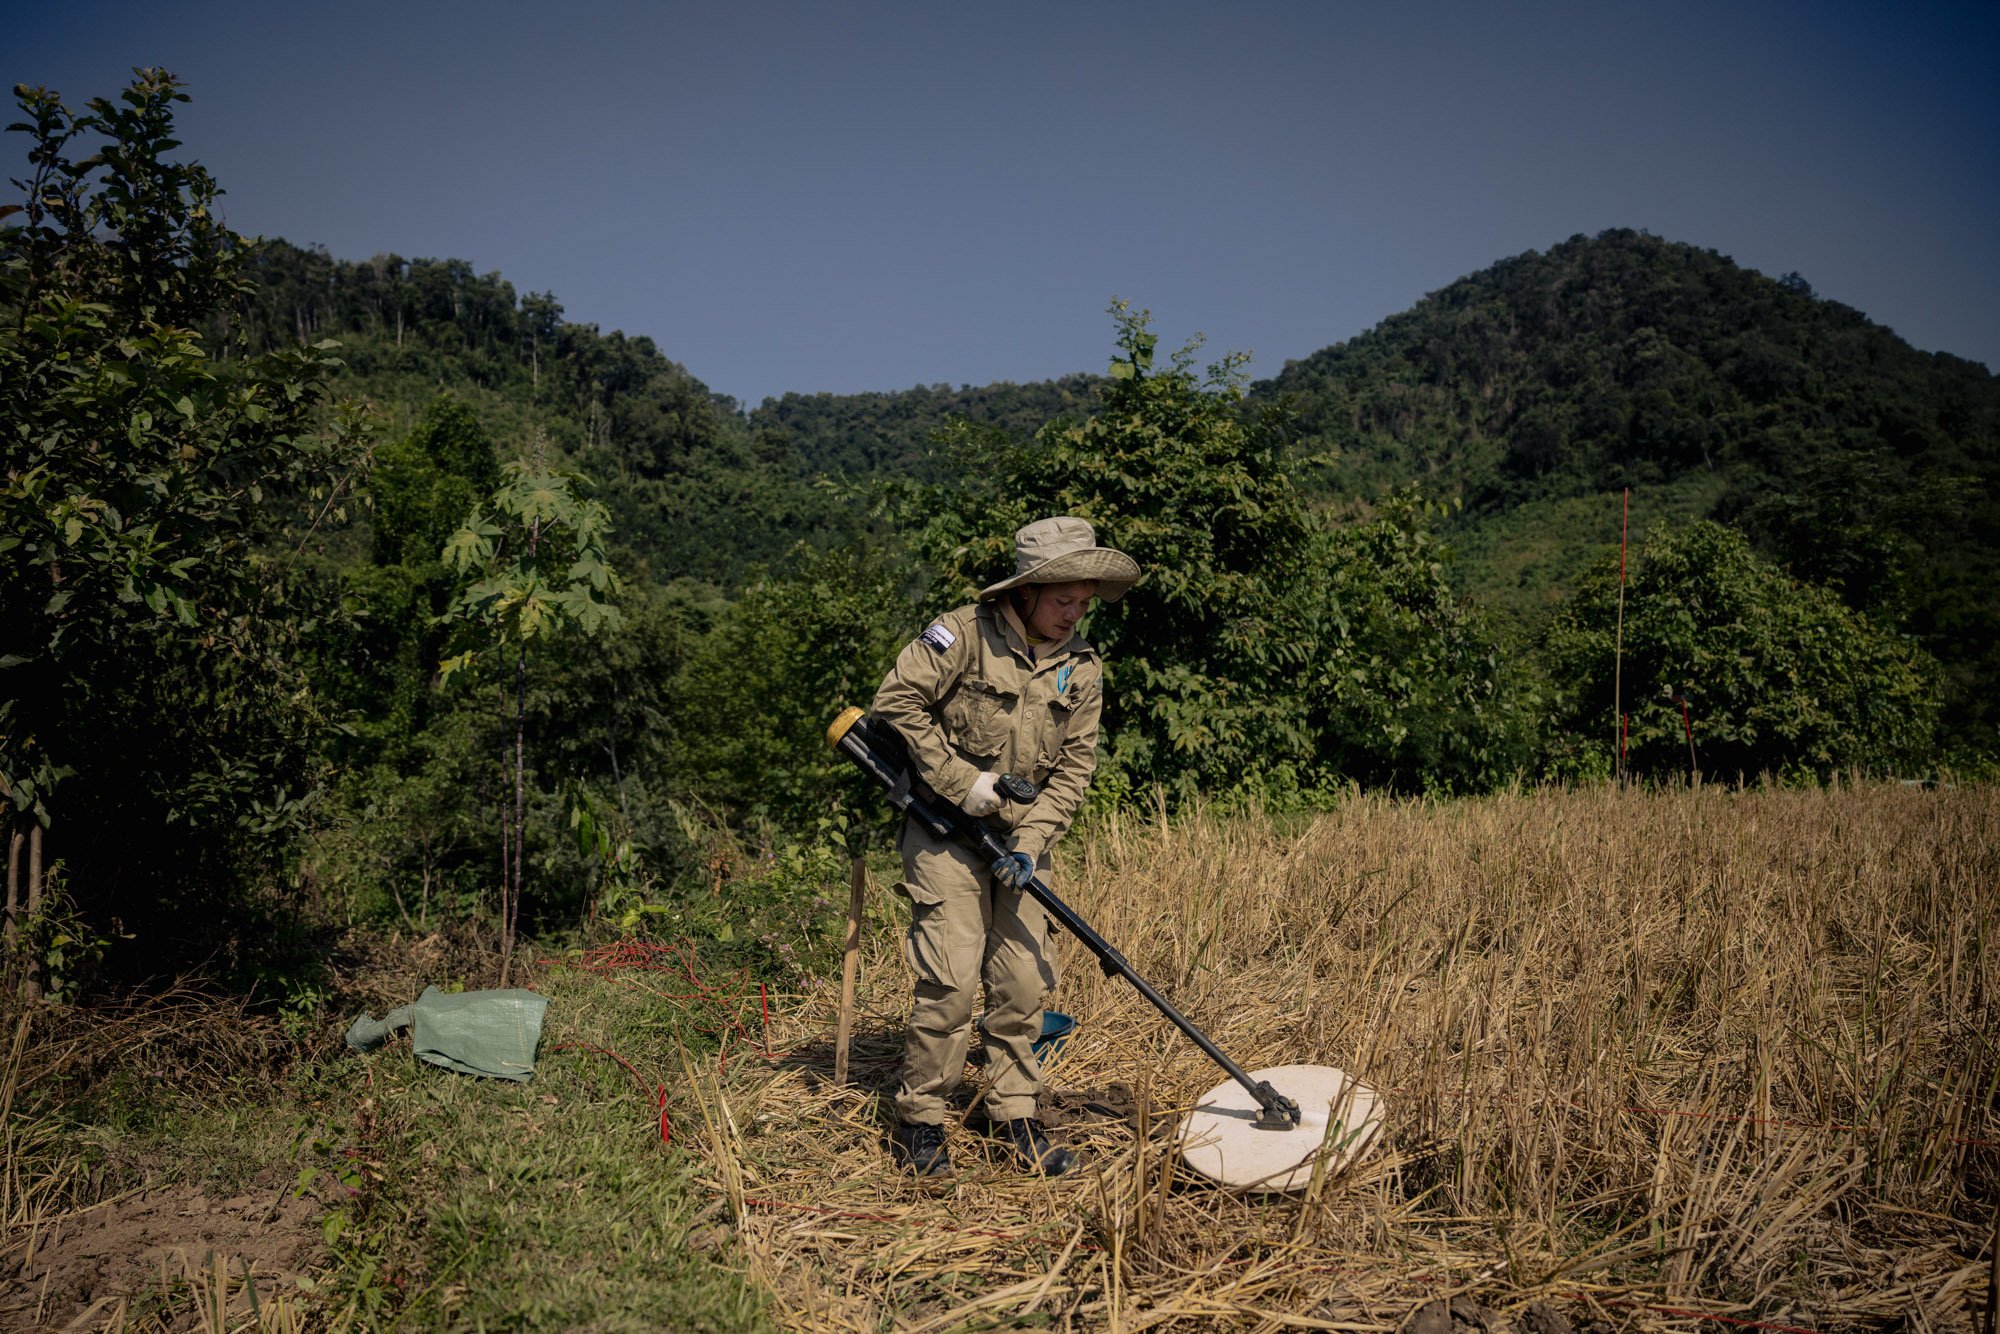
<point>969,698</point>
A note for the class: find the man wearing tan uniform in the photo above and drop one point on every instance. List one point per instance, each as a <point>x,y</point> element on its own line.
<point>1004,686</point>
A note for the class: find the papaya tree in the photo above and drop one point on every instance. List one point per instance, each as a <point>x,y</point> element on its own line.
<point>534,560</point>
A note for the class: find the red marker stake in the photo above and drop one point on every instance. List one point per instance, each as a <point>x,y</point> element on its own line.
<point>1687,722</point>
<point>1618,653</point>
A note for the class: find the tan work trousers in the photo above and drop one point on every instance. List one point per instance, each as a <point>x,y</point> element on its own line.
<point>965,929</point>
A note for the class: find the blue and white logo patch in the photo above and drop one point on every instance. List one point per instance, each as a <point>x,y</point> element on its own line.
<point>938,637</point>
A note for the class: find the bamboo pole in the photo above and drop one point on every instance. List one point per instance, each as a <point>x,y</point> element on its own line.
<point>33,989</point>
<point>1687,722</point>
<point>857,884</point>
<point>1618,651</point>
<point>14,840</point>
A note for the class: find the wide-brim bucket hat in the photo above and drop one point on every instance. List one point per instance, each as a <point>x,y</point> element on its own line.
<point>1062,550</point>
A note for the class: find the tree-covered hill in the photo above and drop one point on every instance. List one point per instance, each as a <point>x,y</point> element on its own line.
<point>1538,388</point>
<point>699,486</point>
<point>694,491</point>
<point>1627,360</point>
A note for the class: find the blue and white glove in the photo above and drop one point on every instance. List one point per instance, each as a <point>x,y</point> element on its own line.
<point>1014,870</point>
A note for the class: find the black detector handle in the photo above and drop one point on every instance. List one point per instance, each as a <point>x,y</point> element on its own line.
<point>1015,788</point>
<point>879,751</point>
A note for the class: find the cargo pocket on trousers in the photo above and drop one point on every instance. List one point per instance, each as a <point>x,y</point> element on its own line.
<point>1044,931</point>
<point>923,943</point>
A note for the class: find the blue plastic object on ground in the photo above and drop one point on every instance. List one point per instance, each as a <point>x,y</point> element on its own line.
<point>1056,1028</point>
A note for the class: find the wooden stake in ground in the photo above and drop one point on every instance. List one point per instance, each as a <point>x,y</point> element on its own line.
<point>1687,722</point>
<point>15,838</point>
<point>1618,649</point>
<point>32,992</point>
<point>857,883</point>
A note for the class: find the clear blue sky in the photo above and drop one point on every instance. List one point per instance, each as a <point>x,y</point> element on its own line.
<point>872,196</point>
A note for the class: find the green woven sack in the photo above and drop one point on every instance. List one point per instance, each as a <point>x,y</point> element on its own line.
<point>489,1033</point>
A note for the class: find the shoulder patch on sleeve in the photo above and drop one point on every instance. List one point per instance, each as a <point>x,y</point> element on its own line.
<point>938,636</point>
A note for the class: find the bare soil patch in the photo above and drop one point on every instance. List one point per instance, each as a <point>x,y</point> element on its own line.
<point>89,1268</point>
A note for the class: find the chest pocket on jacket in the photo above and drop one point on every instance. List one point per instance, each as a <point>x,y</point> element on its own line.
<point>1055,730</point>
<point>978,717</point>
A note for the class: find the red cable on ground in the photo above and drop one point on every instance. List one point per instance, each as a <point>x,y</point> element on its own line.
<point>730,998</point>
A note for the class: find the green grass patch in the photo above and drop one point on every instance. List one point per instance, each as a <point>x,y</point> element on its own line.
<point>468,1203</point>
<point>449,1202</point>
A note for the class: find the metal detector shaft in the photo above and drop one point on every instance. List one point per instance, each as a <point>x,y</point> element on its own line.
<point>879,752</point>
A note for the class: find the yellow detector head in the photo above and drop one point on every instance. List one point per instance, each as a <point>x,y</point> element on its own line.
<point>839,726</point>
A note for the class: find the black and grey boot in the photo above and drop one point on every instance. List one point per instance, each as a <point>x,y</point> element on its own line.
<point>919,1149</point>
<point>1031,1149</point>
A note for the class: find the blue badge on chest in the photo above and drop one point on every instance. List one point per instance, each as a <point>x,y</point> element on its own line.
<point>1062,678</point>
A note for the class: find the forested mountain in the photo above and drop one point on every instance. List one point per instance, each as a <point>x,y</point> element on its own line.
<point>700,487</point>
<point>1536,389</point>
<point>693,490</point>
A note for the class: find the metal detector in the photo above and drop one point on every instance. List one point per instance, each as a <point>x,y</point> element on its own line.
<point>1227,1136</point>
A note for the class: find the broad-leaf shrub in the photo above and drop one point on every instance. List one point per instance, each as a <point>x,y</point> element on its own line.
<point>1780,677</point>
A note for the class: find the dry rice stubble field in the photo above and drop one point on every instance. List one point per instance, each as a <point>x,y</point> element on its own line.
<point>1646,1057</point>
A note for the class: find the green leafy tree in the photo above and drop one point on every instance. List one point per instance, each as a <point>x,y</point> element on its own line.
<point>385,667</point>
<point>758,691</point>
<point>536,559</point>
<point>425,484</point>
<point>1171,472</point>
<point>154,497</point>
<point>1779,676</point>
<point>1403,681</point>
